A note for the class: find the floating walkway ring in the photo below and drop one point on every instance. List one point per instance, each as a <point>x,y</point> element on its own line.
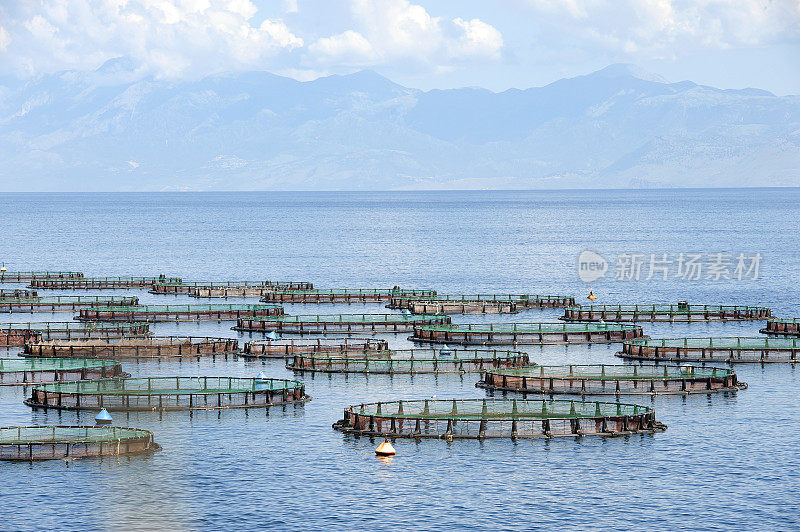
<point>497,418</point>
<point>782,327</point>
<point>757,349</point>
<point>70,442</point>
<point>606,379</point>
<point>409,361</point>
<point>667,313</point>
<point>283,347</point>
<point>152,347</point>
<point>41,370</point>
<point>167,393</point>
<point>525,333</point>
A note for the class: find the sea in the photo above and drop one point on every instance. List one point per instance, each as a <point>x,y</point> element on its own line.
<point>726,461</point>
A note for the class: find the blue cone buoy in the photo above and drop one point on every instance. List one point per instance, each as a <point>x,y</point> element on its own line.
<point>103,418</point>
<point>272,336</point>
<point>261,381</point>
<point>261,376</point>
<point>406,312</point>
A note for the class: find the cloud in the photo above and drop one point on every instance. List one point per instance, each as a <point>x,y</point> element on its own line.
<point>397,32</point>
<point>666,27</point>
<point>169,38</point>
<point>349,48</point>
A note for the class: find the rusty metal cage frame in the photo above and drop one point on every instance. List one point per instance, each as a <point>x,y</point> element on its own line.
<point>69,442</point>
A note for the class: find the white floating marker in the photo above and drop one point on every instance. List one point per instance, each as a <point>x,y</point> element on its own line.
<point>103,418</point>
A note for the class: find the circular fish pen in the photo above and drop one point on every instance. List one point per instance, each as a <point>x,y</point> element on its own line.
<point>63,303</point>
<point>604,379</point>
<point>666,313</point>
<point>782,327</point>
<point>525,333</point>
<point>167,393</point>
<point>17,334</point>
<point>409,361</point>
<point>225,288</point>
<point>724,349</point>
<point>166,313</point>
<point>337,323</point>
<point>30,371</point>
<point>17,294</point>
<point>422,306</point>
<point>99,283</point>
<point>340,296</point>
<point>522,301</point>
<point>289,346</point>
<point>156,347</point>
<point>21,277</point>
<point>68,442</point>
<point>497,418</point>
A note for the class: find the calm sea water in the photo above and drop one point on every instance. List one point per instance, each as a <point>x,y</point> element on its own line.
<point>726,461</point>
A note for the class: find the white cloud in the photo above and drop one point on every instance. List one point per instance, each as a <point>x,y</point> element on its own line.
<point>397,32</point>
<point>165,37</point>
<point>667,27</point>
<point>349,48</point>
<point>5,38</point>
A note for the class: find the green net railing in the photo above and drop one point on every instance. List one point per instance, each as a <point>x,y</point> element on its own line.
<point>121,279</point>
<point>51,434</point>
<point>784,320</point>
<point>169,386</point>
<point>348,318</point>
<point>64,326</point>
<point>467,409</point>
<point>66,300</point>
<point>667,309</point>
<point>25,276</point>
<point>614,371</point>
<point>487,297</point>
<point>724,342</point>
<point>540,327</point>
<point>146,309</point>
<point>14,365</point>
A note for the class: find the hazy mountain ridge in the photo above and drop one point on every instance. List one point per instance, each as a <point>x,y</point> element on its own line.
<point>618,127</point>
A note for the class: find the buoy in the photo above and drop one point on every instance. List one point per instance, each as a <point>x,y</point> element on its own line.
<point>261,376</point>
<point>103,418</point>
<point>686,369</point>
<point>406,312</point>
<point>385,449</point>
<point>3,269</point>
<point>591,295</point>
<point>272,336</point>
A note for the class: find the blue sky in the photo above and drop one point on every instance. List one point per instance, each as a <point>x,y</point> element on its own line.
<point>426,44</point>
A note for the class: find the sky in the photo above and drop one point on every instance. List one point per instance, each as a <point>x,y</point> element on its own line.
<point>497,44</point>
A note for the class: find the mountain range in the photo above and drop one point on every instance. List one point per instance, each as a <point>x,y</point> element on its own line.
<point>619,127</point>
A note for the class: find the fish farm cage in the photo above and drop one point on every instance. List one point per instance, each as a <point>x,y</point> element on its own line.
<point>284,347</point>
<point>30,371</point>
<point>63,303</point>
<point>17,294</point>
<point>99,283</point>
<point>497,418</point>
<point>71,442</point>
<point>723,349</point>
<point>337,323</point>
<point>604,379</point>
<point>340,296</point>
<point>17,334</point>
<point>421,306</point>
<point>409,361</point>
<point>782,326</point>
<point>167,393</point>
<point>226,288</point>
<point>525,333</point>
<point>522,301</point>
<point>167,313</point>
<point>667,313</point>
<point>20,277</point>
<point>154,347</point>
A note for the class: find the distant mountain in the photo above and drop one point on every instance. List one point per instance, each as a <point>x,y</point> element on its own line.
<point>112,129</point>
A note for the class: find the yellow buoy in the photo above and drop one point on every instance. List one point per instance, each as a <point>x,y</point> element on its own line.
<point>591,295</point>
<point>385,449</point>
